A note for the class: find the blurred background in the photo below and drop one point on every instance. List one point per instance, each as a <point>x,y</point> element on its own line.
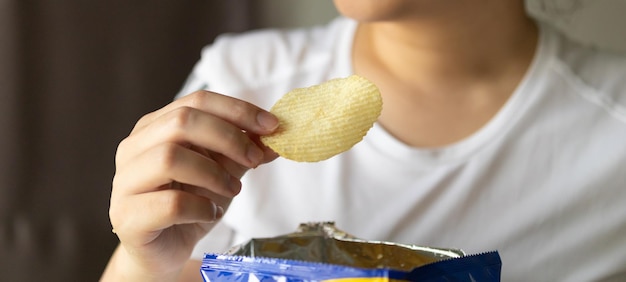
<point>76,75</point>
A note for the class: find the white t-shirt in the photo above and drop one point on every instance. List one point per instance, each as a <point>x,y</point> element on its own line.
<point>544,182</point>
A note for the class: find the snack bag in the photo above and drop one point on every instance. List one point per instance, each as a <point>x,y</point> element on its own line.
<point>321,252</point>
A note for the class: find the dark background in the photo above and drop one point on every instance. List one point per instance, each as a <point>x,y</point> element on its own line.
<point>74,78</point>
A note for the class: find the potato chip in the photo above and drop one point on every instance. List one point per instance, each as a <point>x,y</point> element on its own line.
<point>324,120</point>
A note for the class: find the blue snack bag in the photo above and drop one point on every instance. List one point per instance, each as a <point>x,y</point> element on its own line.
<point>481,267</point>
<point>321,252</point>
<point>237,268</point>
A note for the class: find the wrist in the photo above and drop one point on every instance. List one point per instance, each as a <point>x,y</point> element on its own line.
<point>123,267</point>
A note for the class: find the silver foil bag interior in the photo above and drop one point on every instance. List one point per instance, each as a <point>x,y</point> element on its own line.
<point>325,243</point>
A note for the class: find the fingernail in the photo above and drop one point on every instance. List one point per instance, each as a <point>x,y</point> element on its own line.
<point>267,120</point>
<point>219,212</point>
<point>254,155</point>
<point>234,185</point>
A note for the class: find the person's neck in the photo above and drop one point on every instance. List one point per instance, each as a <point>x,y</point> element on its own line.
<point>455,48</point>
<point>444,78</point>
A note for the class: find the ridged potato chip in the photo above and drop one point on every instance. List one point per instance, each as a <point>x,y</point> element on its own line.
<point>324,120</point>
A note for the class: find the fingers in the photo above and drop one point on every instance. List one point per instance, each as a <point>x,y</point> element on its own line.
<point>189,126</point>
<point>238,170</point>
<point>220,131</point>
<point>160,210</point>
<point>178,171</point>
<point>268,154</point>
<point>240,113</point>
<point>170,162</point>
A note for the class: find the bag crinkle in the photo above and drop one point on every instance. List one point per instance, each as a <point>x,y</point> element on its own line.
<point>321,252</point>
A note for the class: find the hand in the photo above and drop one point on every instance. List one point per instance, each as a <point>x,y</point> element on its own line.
<point>176,174</point>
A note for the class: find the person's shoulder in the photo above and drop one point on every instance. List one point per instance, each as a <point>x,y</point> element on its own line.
<point>597,67</point>
<point>253,41</point>
<point>599,74</point>
<point>260,55</point>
